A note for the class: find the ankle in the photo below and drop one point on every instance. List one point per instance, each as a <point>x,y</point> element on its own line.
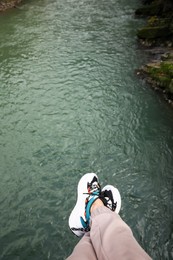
<point>98,203</point>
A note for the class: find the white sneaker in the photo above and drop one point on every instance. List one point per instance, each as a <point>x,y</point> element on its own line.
<point>88,191</point>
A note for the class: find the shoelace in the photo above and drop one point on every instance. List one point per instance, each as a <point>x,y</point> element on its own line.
<point>93,194</point>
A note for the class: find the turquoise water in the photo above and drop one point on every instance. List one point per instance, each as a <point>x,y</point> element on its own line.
<point>70,103</point>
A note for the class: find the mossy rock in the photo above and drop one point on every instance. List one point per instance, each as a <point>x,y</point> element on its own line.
<point>150,10</point>
<point>171,86</point>
<point>167,57</point>
<point>162,74</point>
<point>155,21</point>
<point>153,65</point>
<point>164,82</point>
<point>154,32</point>
<point>167,68</point>
<point>171,27</point>
<point>163,68</point>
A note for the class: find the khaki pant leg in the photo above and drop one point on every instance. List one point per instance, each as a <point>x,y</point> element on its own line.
<point>83,250</point>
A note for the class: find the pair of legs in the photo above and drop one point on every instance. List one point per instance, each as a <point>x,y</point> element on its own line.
<point>95,217</point>
<point>109,238</point>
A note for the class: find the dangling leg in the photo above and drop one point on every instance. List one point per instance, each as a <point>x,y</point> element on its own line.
<point>83,250</point>
<point>111,236</point>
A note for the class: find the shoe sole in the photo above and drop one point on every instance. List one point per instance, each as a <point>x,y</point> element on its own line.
<point>79,208</point>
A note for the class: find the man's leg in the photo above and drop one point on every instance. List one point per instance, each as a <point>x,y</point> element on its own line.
<point>111,237</point>
<point>83,250</point>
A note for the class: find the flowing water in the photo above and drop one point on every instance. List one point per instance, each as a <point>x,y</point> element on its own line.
<point>70,103</point>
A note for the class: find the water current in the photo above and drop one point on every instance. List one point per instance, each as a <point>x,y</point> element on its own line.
<point>70,103</point>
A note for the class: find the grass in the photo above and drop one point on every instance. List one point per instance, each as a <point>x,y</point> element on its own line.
<point>163,75</point>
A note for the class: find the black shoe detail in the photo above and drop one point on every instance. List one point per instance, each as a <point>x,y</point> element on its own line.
<point>107,199</point>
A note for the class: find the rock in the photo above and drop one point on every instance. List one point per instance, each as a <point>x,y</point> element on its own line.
<point>4,4</point>
<point>158,34</point>
<point>165,56</point>
<point>171,86</point>
<point>153,32</point>
<point>171,26</point>
<point>150,10</point>
<point>153,65</point>
<point>146,2</point>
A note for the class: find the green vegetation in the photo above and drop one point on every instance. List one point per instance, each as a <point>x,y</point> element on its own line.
<point>160,21</point>
<point>158,32</point>
<point>160,73</point>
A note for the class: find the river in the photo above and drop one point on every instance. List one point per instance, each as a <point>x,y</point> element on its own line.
<point>70,103</point>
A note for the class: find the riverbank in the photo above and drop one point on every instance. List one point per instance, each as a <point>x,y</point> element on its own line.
<point>7,4</point>
<point>157,38</point>
<point>159,73</point>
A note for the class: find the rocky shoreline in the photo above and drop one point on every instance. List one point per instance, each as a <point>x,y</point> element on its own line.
<point>157,38</point>
<point>7,4</point>
<point>159,73</point>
